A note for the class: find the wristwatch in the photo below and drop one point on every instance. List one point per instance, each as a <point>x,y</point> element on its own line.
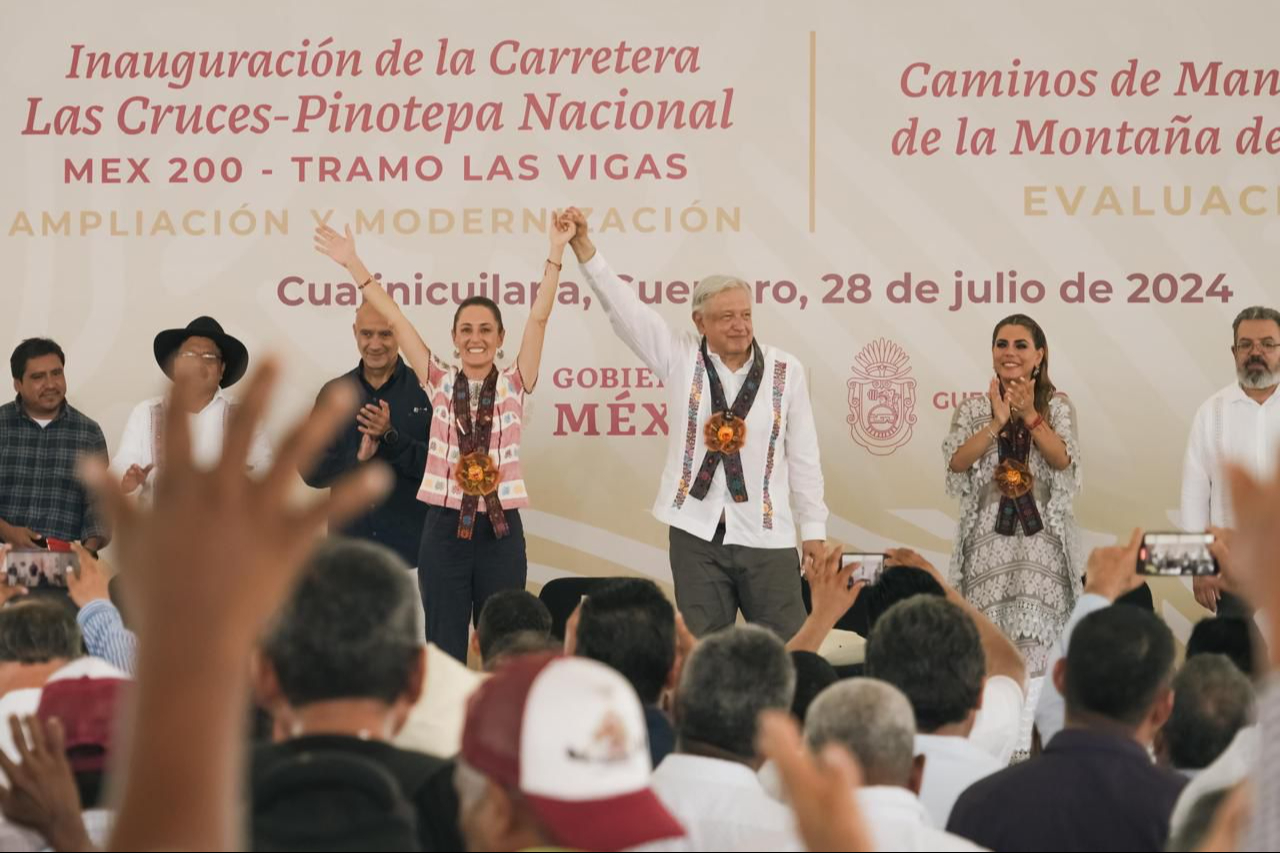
<point>391,437</point>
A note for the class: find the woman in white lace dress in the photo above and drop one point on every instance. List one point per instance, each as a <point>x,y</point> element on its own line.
<point>1013,459</point>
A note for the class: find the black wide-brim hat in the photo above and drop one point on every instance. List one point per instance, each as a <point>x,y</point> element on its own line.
<point>235,357</point>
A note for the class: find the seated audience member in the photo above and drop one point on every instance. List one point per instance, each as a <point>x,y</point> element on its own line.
<point>520,643</point>
<point>511,611</point>
<point>873,720</point>
<point>1094,787</point>
<point>100,621</point>
<point>1231,768</point>
<point>553,756</point>
<point>813,675</point>
<point>339,670</point>
<point>628,624</point>
<point>998,724</point>
<point>39,643</point>
<point>1212,702</point>
<point>710,782</point>
<point>931,650</point>
<point>70,810</point>
<point>1238,639</point>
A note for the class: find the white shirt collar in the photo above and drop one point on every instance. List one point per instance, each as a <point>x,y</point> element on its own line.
<point>716,771</point>
<point>890,802</point>
<point>1235,394</point>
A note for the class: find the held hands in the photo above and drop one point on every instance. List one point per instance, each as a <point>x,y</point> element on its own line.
<point>562,230</point>
<point>340,247</point>
<point>581,243</point>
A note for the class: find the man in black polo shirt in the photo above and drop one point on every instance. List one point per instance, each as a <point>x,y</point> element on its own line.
<point>1095,786</point>
<point>392,425</point>
<point>42,437</point>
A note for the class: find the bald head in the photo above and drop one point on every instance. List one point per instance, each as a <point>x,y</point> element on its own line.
<point>374,339</point>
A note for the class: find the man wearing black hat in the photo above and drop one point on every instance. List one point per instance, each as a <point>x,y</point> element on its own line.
<point>214,360</point>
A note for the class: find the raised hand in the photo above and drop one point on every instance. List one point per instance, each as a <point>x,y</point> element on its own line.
<point>42,792</point>
<point>562,229</point>
<point>820,790</point>
<point>1000,413</point>
<point>89,582</point>
<point>340,247</point>
<point>1113,571</point>
<point>135,477</point>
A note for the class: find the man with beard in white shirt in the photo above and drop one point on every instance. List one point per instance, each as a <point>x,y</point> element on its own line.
<point>874,721</point>
<point>215,361</point>
<point>1240,424</point>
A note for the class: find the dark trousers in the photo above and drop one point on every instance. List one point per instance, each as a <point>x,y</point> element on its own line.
<point>457,576</point>
<point>714,581</point>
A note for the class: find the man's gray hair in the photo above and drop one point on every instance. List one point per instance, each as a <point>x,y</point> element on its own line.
<point>870,718</point>
<point>1253,312</point>
<point>731,677</point>
<point>1212,701</point>
<point>713,285</point>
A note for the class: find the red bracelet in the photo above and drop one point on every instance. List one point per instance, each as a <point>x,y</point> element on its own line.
<point>1034,426</point>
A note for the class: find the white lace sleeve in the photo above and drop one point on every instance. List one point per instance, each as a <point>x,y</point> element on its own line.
<point>1062,417</point>
<point>963,426</point>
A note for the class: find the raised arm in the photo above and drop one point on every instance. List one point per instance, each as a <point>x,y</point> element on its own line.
<point>640,327</point>
<point>342,248</point>
<point>535,331</point>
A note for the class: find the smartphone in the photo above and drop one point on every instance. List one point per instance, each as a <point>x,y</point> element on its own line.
<point>34,567</point>
<point>1176,555</point>
<point>869,566</point>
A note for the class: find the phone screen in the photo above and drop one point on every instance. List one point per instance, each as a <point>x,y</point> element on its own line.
<point>1176,555</point>
<point>869,566</point>
<point>39,567</point>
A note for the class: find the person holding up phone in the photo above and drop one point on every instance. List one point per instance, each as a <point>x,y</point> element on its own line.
<point>1013,459</point>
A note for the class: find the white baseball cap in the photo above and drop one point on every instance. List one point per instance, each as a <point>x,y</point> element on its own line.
<point>569,734</point>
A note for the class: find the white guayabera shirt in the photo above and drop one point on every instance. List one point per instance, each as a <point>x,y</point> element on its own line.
<point>1228,427</point>
<point>780,460</point>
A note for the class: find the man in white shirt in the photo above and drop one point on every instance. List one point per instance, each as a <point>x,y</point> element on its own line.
<point>217,361</point>
<point>874,721</point>
<point>742,467</point>
<point>710,782</point>
<point>1240,424</point>
<point>964,678</point>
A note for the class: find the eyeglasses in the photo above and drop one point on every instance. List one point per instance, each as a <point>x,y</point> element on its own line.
<point>209,357</point>
<point>1267,345</point>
